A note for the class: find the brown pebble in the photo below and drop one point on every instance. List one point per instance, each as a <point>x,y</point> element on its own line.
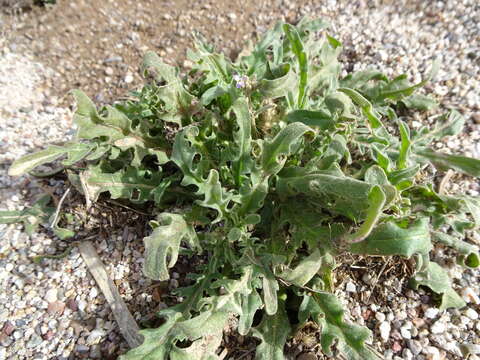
<point>56,308</point>
<point>8,328</point>
<point>72,304</point>
<point>366,314</point>
<point>396,347</point>
<point>476,118</point>
<point>418,322</point>
<point>48,335</point>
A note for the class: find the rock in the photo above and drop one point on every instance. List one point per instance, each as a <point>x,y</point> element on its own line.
<point>438,327</point>
<point>113,59</point>
<point>476,118</point>
<point>93,293</point>
<point>385,329</point>
<point>128,78</point>
<point>95,352</point>
<point>48,335</point>
<point>380,316</point>
<point>8,328</point>
<point>414,346</point>
<point>396,347</point>
<point>51,295</point>
<point>34,341</point>
<point>407,354</point>
<point>472,314</point>
<point>72,304</point>
<point>431,313</point>
<point>108,71</point>
<point>432,353</point>
<point>405,332</point>
<point>350,287</point>
<point>82,349</point>
<point>5,340</point>
<point>56,308</point>
<point>418,322</point>
<point>95,337</point>
<point>367,279</point>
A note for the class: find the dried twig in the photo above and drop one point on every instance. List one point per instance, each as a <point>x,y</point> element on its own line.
<point>59,207</point>
<point>443,183</point>
<point>126,322</point>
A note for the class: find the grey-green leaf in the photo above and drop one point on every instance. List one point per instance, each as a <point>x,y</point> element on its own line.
<point>391,239</point>
<point>273,332</point>
<point>437,279</point>
<point>162,246</point>
<point>466,165</point>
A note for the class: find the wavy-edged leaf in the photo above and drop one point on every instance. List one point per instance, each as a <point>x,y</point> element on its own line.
<point>360,78</point>
<point>284,144</point>
<point>305,270</point>
<point>391,239</point>
<point>399,87</point>
<point>279,86</point>
<point>116,127</point>
<point>183,155</point>
<point>272,332</point>
<point>376,202</point>
<point>368,110</point>
<point>469,252</point>
<point>216,197</point>
<point>449,124</point>
<point>172,93</point>
<point>405,146</point>
<point>33,216</point>
<point>202,349</point>
<point>74,151</point>
<point>130,183</point>
<point>320,119</point>
<point>340,194</point>
<point>340,104</point>
<point>326,310</point>
<point>420,102</point>
<point>297,48</point>
<point>162,246</point>
<point>243,138</point>
<point>250,304</point>
<point>466,165</point>
<point>437,279</point>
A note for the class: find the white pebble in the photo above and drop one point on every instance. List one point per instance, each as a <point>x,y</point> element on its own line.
<point>128,78</point>
<point>472,314</point>
<point>470,296</point>
<point>350,287</point>
<point>385,329</point>
<point>95,337</point>
<point>431,313</point>
<point>93,293</point>
<point>438,327</point>
<point>51,295</point>
<point>380,316</point>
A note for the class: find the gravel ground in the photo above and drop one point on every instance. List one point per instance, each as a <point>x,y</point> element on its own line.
<point>54,311</point>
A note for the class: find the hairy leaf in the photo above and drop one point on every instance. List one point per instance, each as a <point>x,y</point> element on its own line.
<point>273,332</point>
<point>391,239</point>
<point>435,277</point>
<point>161,247</point>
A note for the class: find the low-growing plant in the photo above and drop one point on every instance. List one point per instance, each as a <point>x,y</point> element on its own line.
<point>272,166</point>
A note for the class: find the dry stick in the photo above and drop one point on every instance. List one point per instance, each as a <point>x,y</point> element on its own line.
<point>126,322</point>
<point>444,181</point>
